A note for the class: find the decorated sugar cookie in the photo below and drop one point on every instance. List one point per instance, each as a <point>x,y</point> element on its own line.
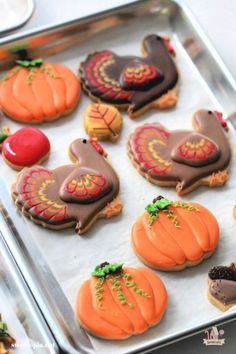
<point>182,158</point>
<point>74,195</point>
<point>35,91</point>
<point>222,286</point>
<point>27,147</point>
<point>118,301</point>
<point>133,83</point>
<point>102,121</point>
<point>6,340</point>
<point>171,236</point>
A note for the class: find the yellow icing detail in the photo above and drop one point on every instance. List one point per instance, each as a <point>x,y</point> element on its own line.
<point>151,148</point>
<point>103,74</point>
<point>195,146</point>
<point>41,192</point>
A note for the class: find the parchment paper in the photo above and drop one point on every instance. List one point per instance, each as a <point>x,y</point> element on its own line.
<point>72,257</point>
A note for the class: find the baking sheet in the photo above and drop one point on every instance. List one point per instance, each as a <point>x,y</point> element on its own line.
<point>72,257</point>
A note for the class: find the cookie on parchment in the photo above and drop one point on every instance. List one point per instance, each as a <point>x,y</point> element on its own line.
<point>133,83</point>
<point>35,91</point>
<point>26,147</point>
<point>74,195</point>
<point>118,301</point>
<point>171,236</point>
<point>102,121</point>
<point>182,158</point>
<point>222,286</point>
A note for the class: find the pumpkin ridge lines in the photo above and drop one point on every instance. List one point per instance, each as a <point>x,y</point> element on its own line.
<point>96,309</point>
<point>119,304</point>
<point>113,299</point>
<point>100,321</point>
<point>145,243</point>
<point>36,100</point>
<point>53,80</point>
<point>172,240</point>
<point>148,230</point>
<point>156,248</point>
<point>134,301</point>
<point>152,295</point>
<point>209,214</point>
<point>134,294</point>
<point>183,221</point>
<point>50,89</point>
<point>36,94</point>
<point>194,233</point>
<point>16,76</point>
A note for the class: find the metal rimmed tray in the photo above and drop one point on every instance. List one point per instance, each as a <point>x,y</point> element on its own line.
<point>18,308</point>
<point>55,263</point>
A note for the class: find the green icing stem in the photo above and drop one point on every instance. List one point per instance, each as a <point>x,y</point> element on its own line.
<point>3,136</point>
<point>114,273</point>
<point>162,204</point>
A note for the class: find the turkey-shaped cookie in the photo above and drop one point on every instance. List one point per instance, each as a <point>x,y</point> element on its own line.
<point>182,158</point>
<point>71,195</point>
<point>132,82</point>
<point>222,286</point>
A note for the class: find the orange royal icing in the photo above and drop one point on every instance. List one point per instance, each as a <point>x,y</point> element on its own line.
<point>53,90</point>
<point>163,244</point>
<point>113,320</point>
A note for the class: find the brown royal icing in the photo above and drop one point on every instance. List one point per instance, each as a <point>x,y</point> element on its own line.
<point>68,195</point>
<point>223,284</point>
<point>131,80</point>
<point>181,156</point>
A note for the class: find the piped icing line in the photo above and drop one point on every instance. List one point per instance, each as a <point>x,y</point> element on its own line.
<point>115,273</point>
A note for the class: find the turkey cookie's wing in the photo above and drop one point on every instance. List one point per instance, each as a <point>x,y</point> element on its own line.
<point>84,185</point>
<point>196,150</point>
<point>33,192</point>
<point>148,146</point>
<point>139,75</point>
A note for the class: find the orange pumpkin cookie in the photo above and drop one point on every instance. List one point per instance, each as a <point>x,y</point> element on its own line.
<point>118,302</point>
<point>171,236</point>
<point>102,121</point>
<point>35,91</point>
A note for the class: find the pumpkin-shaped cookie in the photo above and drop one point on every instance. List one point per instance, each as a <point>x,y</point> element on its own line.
<point>118,302</point>
<point>35,91</point>
<point>174,235</point>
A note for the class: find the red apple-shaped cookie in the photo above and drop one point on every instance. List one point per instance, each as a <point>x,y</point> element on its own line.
<point>27,147</point>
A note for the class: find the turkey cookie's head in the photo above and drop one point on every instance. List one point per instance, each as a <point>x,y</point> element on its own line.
<point>85,148</point>
<point>222,286</point>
